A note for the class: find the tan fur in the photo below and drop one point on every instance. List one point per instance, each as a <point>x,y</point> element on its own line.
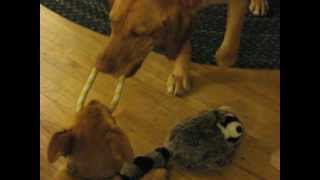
<point>95,144</point>
<point>136,31</point>
<point>139,25</point>
<point>178,82</point>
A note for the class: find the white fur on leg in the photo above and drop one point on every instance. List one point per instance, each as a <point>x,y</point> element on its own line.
<point>178,85</point>
<point>259,7</point>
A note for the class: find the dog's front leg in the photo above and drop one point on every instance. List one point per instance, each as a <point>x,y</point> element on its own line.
<point>227,53</point>
<point>179,80</point>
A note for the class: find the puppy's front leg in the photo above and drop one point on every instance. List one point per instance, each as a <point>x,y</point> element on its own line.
<point>179,81</point>
<point>226,55</point>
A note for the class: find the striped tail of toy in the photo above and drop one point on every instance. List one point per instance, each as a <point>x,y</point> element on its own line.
<point>141,165</point>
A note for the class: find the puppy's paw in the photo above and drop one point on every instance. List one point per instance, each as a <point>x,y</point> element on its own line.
<point>178,84</point>
<point>259,7</point>
<point>225,57</point>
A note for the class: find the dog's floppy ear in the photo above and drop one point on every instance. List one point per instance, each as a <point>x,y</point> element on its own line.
<point>177,32</point>
<point>60,144</point>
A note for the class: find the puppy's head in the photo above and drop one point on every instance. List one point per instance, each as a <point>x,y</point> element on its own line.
<point>140,25</point>
<point>95,146</point>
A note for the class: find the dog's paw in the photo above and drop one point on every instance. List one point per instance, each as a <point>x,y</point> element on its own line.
<point>178,85</point>
<point>225,57</point>
<point>259,7</point>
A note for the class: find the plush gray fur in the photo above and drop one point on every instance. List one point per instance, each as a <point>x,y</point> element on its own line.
<point>198,143</point>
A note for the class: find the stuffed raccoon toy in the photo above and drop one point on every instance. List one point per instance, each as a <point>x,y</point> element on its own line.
<point>204,142</point>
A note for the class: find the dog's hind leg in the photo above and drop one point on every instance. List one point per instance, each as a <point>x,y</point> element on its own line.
<point>259,7</point>
<point>227,53</point>
<point>179,80</point>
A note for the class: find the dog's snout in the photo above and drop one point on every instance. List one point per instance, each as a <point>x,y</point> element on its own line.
<point>105,65</point>
<point>133,70</point>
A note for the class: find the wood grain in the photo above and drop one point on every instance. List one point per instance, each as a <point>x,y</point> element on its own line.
<point>275,159</point>
<point>146,113</point>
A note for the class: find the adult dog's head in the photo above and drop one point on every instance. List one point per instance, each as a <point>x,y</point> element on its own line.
<point>140,25</point>
<point>95,146</point>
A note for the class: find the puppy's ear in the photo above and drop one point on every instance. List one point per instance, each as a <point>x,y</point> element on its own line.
<point>60,144</point>
<point>177,31</point>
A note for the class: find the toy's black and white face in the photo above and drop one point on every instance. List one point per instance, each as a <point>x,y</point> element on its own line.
<point>230,127</point>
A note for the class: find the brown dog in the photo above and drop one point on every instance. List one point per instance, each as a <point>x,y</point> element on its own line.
<point>140,25</point>
<point>95,147</point>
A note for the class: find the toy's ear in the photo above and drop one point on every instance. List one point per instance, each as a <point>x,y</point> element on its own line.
<point>226,109</point>
<point>60,144</point>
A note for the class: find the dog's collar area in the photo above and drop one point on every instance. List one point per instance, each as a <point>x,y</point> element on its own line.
<point>72,171</point>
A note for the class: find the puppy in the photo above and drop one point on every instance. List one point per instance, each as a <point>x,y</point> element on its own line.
<point>140,25</point>
<point>95,147</point>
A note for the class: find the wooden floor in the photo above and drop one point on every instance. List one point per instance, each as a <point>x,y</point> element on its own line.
<point>146,113</point>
